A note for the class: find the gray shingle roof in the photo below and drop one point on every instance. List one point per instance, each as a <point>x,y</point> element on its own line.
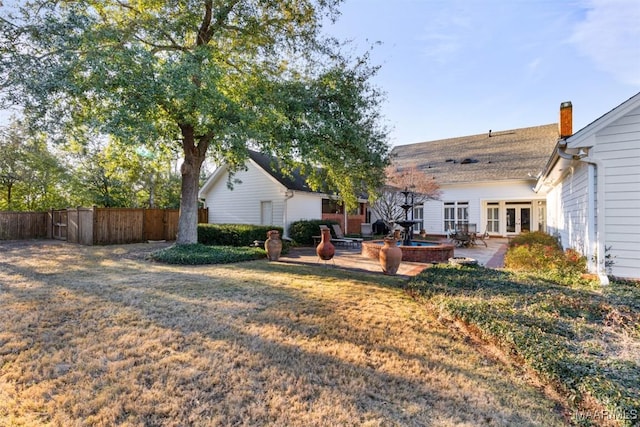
<point>505,155</point>
<point>294,182</point>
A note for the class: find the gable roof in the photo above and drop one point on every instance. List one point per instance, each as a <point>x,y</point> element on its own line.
<point>269,166</point>
<point>584,138</point>
<point>518,154</point>
<point>294,181</point>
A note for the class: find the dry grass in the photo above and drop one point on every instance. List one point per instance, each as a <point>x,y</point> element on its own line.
<point>99,336</point>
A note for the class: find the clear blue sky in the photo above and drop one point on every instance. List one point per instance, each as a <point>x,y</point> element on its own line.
<point>461,67</point>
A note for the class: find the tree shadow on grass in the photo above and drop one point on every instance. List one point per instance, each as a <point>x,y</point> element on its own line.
<point>233,343</point>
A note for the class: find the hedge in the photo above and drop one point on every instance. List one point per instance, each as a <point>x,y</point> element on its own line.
<point>233,234</point>
<point>302,232</point>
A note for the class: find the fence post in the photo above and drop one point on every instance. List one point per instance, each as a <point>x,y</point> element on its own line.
<point>94,219</point>
<point>50,225</point>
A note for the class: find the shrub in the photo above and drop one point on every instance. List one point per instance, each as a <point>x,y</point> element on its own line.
<point>542,254</point>
<point>233,234</point>
<point>302,232</point>
<point>535,237</point>
<point>199,254</point>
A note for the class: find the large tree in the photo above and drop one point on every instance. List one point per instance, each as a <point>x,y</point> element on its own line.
<point>213,76</point>
<point>111,173</point>
<point>31,175</point>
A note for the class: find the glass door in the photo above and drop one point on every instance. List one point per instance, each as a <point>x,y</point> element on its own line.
<point>518,218</point>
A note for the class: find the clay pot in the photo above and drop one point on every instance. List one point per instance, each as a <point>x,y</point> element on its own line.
<point>325,248</point>
<point>390,256</point>
<point>273,245</point>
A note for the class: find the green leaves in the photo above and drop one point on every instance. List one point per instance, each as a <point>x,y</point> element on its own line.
<point>31,175</point>
<point>217,76</point>
<point>198,254</point>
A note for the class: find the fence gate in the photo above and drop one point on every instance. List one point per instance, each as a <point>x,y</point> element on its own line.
<point>59,224</point>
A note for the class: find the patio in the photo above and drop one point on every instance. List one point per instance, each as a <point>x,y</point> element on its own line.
<point>350,258</point>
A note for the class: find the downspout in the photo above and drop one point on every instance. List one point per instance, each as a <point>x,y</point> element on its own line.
<point>287,195</point>
<point>600,215</point>
<point>597,217</point>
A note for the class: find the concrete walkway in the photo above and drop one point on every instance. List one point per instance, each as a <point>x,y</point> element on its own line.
<point>491,256</point>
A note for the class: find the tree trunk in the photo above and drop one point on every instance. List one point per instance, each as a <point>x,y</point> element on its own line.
<point>9,185</point>
<point>194,155</point>
<point>152,192</point>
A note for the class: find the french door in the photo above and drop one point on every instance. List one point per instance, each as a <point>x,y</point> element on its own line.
<point>518,218</point>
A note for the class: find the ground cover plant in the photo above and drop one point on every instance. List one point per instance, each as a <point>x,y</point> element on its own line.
<point>102,336</point>
<point>583,339</point>
<point>199,254</point>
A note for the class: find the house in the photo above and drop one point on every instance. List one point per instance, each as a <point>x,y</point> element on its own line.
<point>592,187</point>
<point>266,196</point>
<point>485,179</point>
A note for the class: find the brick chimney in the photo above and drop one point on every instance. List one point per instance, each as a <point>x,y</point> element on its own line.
<point>566,119</point>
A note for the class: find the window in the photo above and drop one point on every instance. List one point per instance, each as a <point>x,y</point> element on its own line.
<point>542,216</point>
<point>493,218</point>
<point>418,216</point>
<point>455,213</point>
<point>331,206</point>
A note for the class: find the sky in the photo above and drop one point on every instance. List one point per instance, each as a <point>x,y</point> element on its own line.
<point>453,68</point>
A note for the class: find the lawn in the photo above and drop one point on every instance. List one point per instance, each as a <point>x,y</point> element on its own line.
<point>101,336</point>
<point>583,339</point>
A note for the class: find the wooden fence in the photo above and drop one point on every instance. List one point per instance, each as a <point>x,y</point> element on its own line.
<point>24,225</point>
<point>94,226</point>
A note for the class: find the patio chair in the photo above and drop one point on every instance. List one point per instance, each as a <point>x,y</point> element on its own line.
<point>340,235</point>
<point>366,230</point>
<point>462,238</point>
<point>337,240</point>
<point>482,237</point>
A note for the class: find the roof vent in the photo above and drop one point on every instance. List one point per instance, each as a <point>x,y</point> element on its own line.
<point>467,161</point>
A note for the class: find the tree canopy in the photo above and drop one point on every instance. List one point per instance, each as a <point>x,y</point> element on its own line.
<point>38,175</point>
<point>213,77</point>
<point>31,176</point>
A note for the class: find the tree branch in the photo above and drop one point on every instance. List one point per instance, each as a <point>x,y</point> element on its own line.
<point>161,47</point>
<point>207,29</point>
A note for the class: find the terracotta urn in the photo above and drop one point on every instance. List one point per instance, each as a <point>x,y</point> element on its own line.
<point>325,248</point>
<point>390,256</point>
<point>273,245</point>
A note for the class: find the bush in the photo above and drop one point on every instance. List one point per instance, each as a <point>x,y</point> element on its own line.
<point>302,232</point>
<point>535,237</point>
<point>233,234</point>
<point>542,254</point>
<point>199,254</point>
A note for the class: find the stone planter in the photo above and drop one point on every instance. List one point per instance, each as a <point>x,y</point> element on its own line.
<point>325,248</point>
<point>390,256</point>
<point>273,245</point>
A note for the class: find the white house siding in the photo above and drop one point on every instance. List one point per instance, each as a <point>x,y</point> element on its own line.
<point>554,211</point>
<point>304,206</point>
<point>242,204</point>
<point>477,195</point>
<point>618,147</point>
<point>573,208</point>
